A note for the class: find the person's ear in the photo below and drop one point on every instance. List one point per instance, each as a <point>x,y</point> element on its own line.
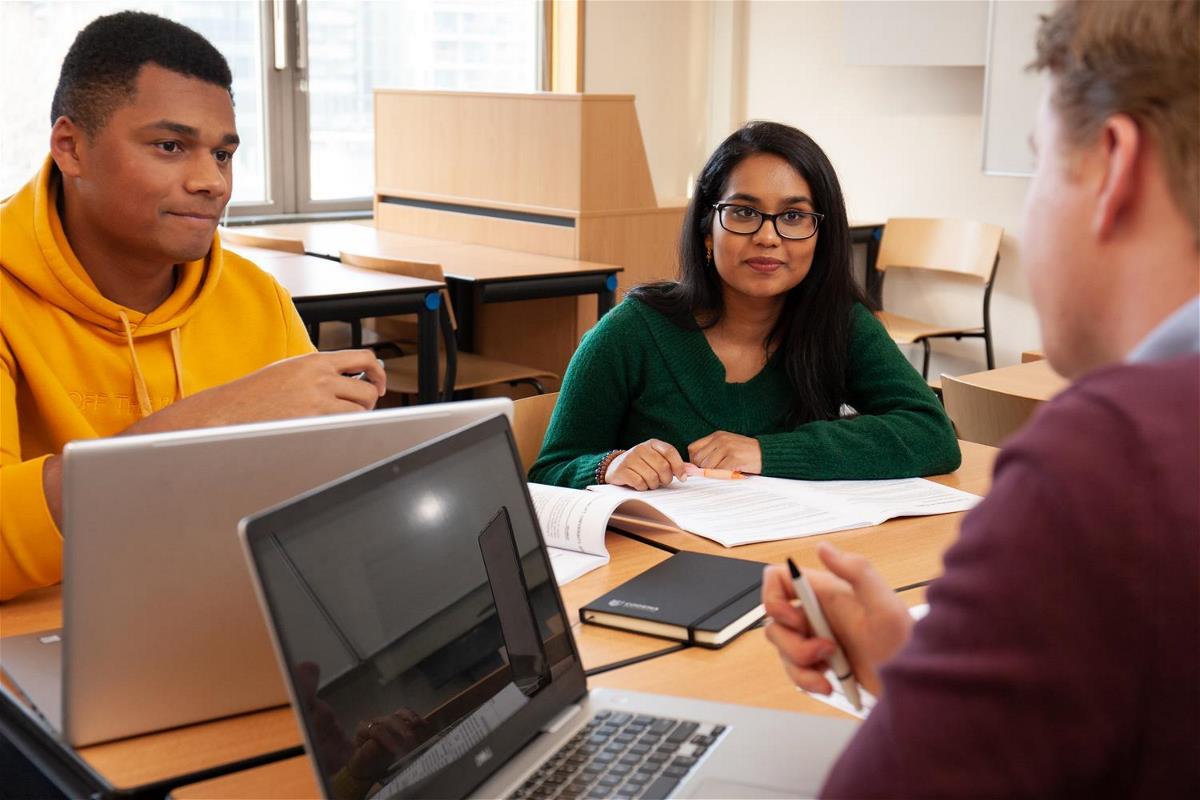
<point>67,146</point>
<point>1120,144</point>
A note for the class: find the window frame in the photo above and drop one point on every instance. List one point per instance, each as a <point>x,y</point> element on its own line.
<point>286,112</point>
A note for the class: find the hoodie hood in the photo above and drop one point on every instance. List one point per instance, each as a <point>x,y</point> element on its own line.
<point>34,250</point>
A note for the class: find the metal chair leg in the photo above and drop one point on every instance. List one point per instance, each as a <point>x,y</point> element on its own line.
<point>534,382</point>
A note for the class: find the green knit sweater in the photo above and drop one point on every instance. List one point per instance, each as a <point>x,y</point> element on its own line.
<point>637,376</point>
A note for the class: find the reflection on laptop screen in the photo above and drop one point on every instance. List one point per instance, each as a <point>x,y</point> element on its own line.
<point>415,609</point>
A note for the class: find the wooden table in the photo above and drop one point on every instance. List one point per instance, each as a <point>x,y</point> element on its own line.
<point>326,291</point>
<point>907,552</point>
<point>475,273</point>
<point>167,758</point>
<point>746,671</point>
<point>1034,380</point>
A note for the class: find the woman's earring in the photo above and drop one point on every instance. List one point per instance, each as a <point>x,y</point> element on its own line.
<point>708,251</point>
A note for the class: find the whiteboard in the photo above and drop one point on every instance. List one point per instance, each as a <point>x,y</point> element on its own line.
<point>1010,93</point>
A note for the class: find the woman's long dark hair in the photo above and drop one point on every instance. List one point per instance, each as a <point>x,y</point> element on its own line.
<point>812,334</point>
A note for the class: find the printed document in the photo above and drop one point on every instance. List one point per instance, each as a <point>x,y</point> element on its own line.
<point>730,513</point>
<point>761,509</point>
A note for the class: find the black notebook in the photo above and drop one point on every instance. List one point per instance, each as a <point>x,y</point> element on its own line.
<point>692,597</point>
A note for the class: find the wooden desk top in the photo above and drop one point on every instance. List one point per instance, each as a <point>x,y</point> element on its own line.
<point>906,550</point>
<point>312,278</point>
<point>1035,380</point>
<point>165,754</point>
<point>1032,355</point>
<point>464,262</point>
<point>293,778</point>
<point>746,671</point>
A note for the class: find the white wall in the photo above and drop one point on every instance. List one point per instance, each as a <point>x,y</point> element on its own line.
<point>657,50</point>
<point>904,140</point>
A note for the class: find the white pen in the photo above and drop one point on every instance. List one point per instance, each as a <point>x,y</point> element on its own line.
<point>816,618</point>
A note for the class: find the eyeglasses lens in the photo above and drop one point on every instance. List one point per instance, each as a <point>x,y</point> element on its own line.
<point>789,225</point>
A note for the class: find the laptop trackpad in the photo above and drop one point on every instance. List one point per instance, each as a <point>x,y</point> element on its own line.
<point>34,664</point>
<point>722,787</point>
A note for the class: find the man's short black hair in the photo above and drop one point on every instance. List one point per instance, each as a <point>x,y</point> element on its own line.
<point>100,70</point>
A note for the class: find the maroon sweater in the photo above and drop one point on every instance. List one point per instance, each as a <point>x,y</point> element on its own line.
<point>1061,655</point>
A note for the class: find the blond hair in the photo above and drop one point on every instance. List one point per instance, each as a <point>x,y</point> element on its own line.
<point>1137,58</point>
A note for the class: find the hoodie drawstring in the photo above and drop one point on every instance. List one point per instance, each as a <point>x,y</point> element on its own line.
<point>139,380</point>
<point>177,357</point>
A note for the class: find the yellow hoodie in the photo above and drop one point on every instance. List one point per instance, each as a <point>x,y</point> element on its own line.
<point>75,365</point>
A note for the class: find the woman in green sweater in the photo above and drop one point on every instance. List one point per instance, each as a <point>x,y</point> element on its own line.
<point>749,360</point>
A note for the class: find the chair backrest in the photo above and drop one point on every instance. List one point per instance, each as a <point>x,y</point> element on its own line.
<point>425,270</point>
<point>944,245</point>
<point>246,239</point>
<point>985,415</point>
<point>531,417</point>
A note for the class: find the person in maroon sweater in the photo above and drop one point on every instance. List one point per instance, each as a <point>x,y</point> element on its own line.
<point>1061,653</point>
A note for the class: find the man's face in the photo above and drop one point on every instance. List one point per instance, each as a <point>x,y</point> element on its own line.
<point>154,180</point>
<point>1059,254</point>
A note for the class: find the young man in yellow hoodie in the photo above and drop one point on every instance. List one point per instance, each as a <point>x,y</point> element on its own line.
<point>119,310</point>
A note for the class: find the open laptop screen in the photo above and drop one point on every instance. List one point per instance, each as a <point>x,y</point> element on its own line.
<point>415,609</point>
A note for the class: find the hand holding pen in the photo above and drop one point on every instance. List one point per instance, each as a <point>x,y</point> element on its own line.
<point>869,620</point>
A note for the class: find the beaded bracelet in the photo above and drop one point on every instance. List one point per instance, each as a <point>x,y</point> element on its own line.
<point>602,467</point>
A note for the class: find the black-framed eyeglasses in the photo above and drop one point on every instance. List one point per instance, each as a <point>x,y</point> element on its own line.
<point>746,220</point>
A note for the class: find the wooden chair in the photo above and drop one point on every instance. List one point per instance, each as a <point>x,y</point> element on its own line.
<point>247,239</point>
<point>940,245</point>
<point>460,371</point>
<point>985,415</point>
<point>531,417</point>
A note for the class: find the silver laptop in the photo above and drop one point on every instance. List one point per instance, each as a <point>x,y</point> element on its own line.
<point>428,653</point>
<point>160,623</point>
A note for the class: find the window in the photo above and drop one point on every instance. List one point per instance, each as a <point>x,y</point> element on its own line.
<point>36,34</point>
<point>357,45</point>
<point>303,77</point>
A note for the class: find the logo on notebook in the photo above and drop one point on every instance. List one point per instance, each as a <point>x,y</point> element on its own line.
<point>483,756</point>
<point>627,604</point>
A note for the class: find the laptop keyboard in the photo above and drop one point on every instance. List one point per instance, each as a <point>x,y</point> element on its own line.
<point>619,755</point>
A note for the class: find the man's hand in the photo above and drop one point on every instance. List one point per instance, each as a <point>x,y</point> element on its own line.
<point>304,386</point>
<point>724,450</point>
<point>649,465</point>
<point>868,618</point>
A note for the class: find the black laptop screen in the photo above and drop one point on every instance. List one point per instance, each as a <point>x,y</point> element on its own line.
<point>418,615</point>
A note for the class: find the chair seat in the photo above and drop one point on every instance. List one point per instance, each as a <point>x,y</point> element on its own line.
<point>906,330</point>
<point>473,371</point>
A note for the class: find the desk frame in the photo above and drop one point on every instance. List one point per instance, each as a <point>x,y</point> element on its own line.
<point>425,304</point>
<point>465,293</point>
